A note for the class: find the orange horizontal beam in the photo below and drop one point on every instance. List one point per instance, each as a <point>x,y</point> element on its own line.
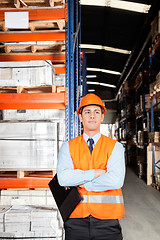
<point>8,183</point>
<point>55,58</point>
<point>59,69</point>
<point>32,36</point>
<point>33,100</point>
<point>38,14</point>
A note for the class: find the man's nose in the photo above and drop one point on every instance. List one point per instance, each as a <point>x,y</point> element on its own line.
<point>92,115</point>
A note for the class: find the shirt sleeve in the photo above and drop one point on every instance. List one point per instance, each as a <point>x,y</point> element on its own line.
<point>114,177</point>
<point>67,175</point>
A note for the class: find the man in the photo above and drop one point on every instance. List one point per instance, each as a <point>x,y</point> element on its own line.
<point>95,164</point>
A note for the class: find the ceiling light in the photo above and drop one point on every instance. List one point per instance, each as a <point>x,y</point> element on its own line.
<point>100,47</point>
<point>125,5</point>
<point>102,84</point>
<point>131,6</point>
<point>101,3</point>
<point>95,83</point>
<point>107,85</point>
<point>91,76</point>
<point>103,70</point>
<point>91,90</point>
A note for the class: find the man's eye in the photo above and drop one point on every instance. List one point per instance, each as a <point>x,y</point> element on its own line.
<point>97,112</point>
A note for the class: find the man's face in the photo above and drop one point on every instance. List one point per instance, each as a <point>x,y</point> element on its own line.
<point>91,118</point>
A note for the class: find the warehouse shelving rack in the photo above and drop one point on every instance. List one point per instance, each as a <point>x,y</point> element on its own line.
<point>68,63</point>
<point>151,57</point>
<point>145,117</point>
<point>155,48</point>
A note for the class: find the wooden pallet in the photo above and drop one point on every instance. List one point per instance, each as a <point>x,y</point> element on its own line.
<point>24,48</point>
<point>39,89</point>
<point>8,173</point>
<point>40,25</point>
<point>29,3</point>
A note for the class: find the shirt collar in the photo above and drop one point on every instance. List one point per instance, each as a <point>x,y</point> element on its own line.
<point>95,137</point>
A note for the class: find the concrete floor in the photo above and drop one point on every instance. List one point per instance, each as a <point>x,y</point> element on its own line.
<point>142,207</point>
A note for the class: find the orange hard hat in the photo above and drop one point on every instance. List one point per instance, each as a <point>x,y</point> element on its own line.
<point>91,99</point>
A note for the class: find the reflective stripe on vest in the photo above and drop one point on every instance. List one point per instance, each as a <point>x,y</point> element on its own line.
<point>102,199</point>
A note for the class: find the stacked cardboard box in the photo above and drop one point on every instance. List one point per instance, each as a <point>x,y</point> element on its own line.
<point>30,221</point>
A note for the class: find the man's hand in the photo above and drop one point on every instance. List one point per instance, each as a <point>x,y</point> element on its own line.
<point>99,172</point>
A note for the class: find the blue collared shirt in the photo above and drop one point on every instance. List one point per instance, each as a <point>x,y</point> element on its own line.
<point>112,179</point>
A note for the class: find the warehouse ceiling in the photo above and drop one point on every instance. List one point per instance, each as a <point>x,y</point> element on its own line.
<point>112,39</point>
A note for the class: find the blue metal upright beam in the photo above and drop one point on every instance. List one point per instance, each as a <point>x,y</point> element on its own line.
<point>151,103</point>
<point>152,117</point>
<point>67,69</point>
<point>77,63</point>
<point>70,70</point>
<point>73,66</point>
<point>79,67</point>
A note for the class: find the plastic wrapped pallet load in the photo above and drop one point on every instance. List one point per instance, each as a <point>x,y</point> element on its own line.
<point>15,221</point>
<point>45,220</point>
<point>28,145</point>
<point>30,221</point>
<point>3,210</point>
<point>28,197</point>
<point>34,114</point>
<point>29,73</point>
<point>59,79</point>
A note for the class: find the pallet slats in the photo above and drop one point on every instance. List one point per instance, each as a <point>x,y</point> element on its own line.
<point>23,48</point>
<point>39,89</point>
<point>28,3</point>
<point>21,173</point>
<point>40,24</point>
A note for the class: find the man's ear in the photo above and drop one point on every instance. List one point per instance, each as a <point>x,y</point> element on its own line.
<point>80,117</point>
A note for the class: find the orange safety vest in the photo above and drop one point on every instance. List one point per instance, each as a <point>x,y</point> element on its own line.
<point>103,205</point>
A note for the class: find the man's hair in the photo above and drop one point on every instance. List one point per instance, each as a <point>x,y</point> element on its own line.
<point>81,109</point>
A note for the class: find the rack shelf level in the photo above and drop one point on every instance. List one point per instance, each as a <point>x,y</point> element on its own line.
<point>33,100</point>
<point>38,14</point>
<point>32,36</point>
<point>8,183</point>
<point>55,58</point>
